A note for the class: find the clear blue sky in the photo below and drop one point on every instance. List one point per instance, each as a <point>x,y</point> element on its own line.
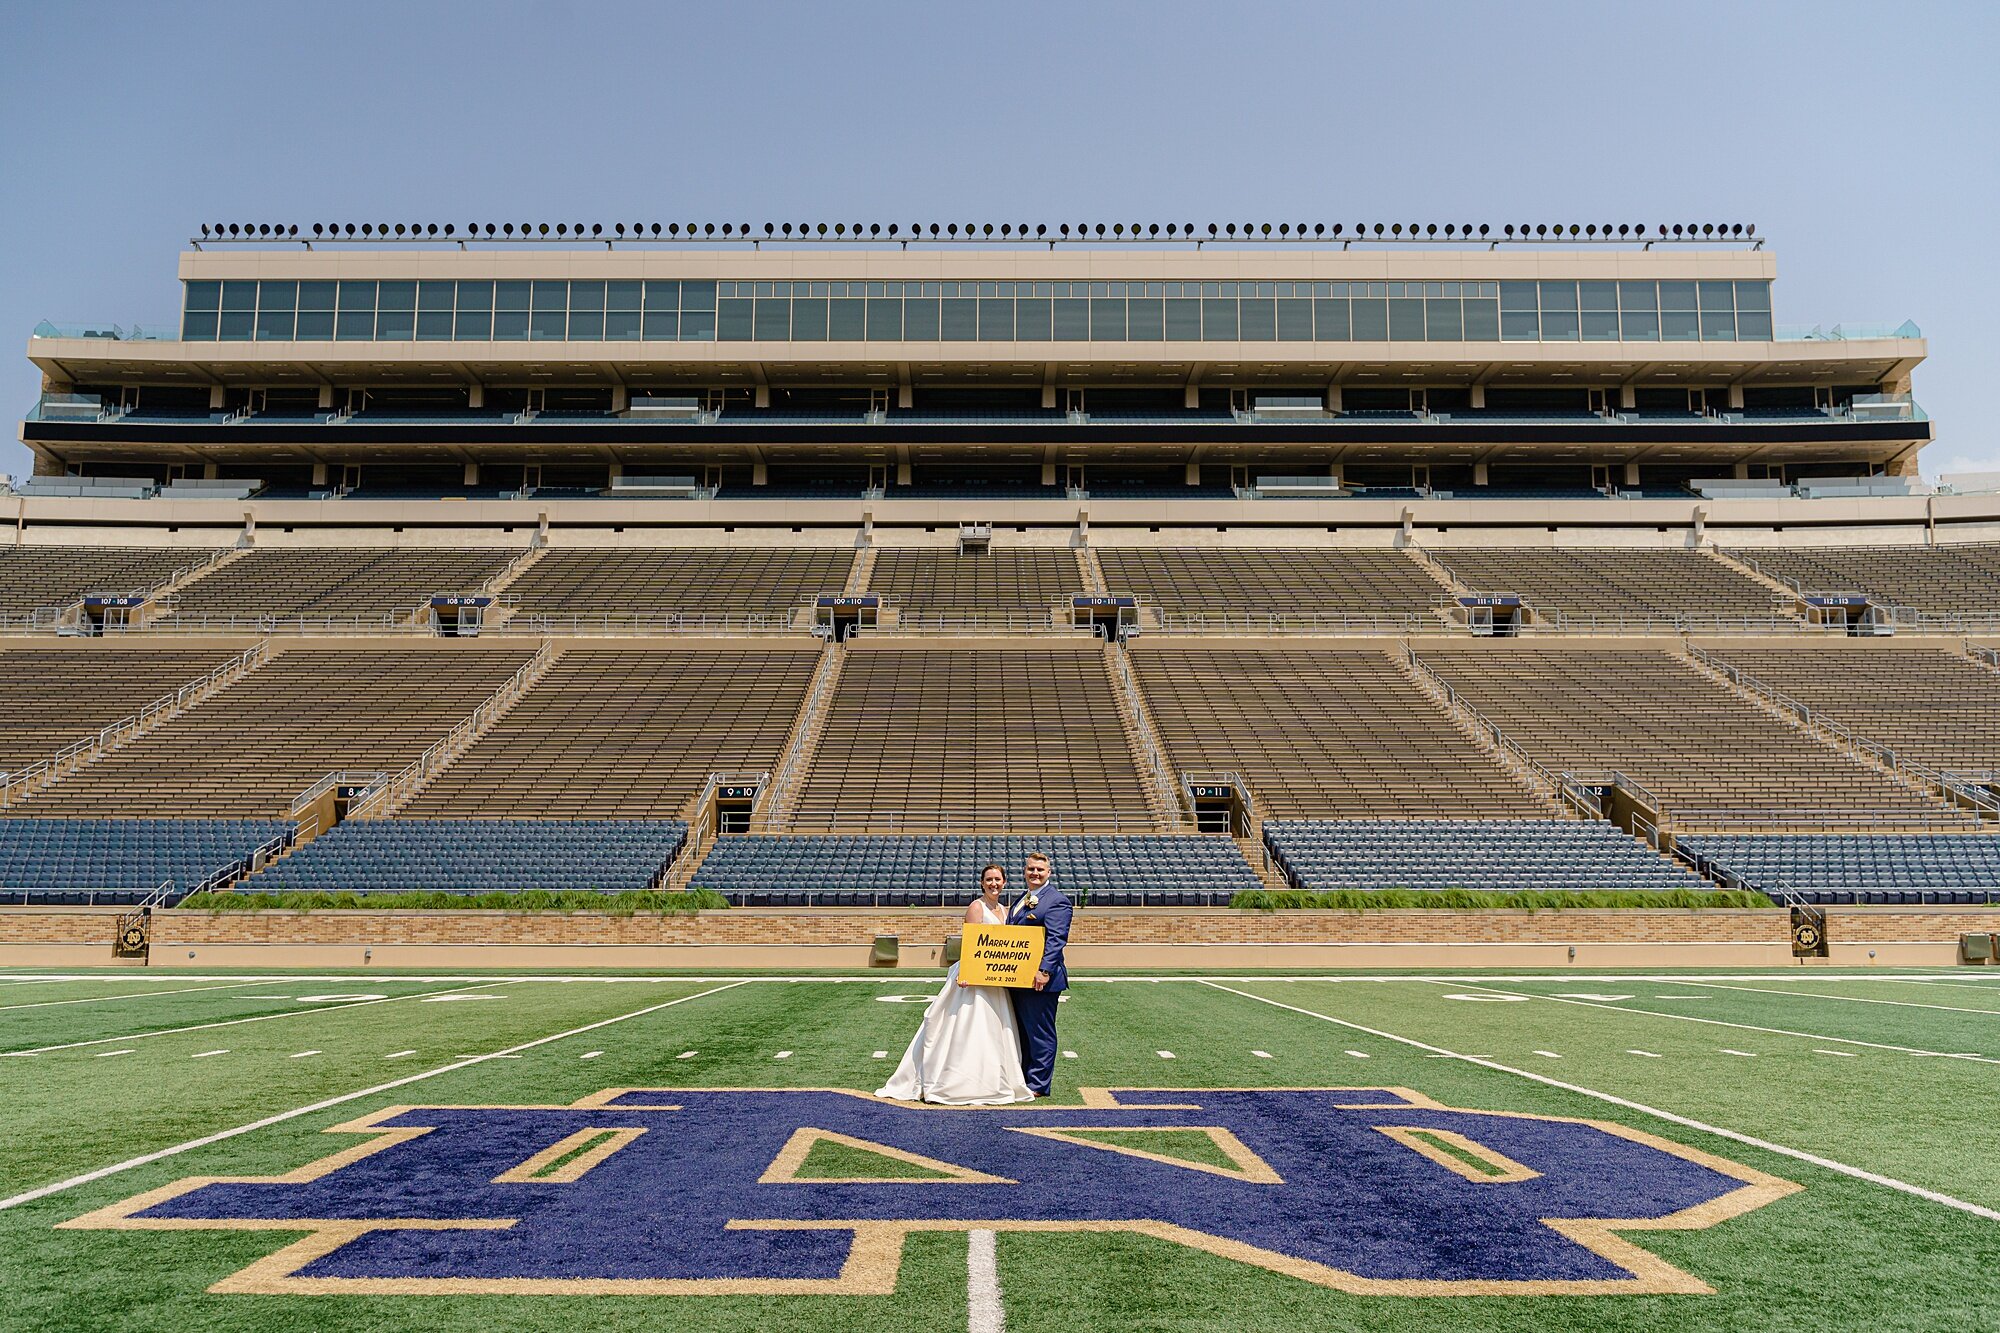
<point>1860,137</point>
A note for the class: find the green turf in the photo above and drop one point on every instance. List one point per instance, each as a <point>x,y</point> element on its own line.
<point>1842,1254</point>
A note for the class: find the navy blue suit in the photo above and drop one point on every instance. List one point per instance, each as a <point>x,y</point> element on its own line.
<point>1035,1010</point>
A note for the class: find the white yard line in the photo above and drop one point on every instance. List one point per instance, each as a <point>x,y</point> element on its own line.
<point>1752,1027</point>
<point>232,1022</point>
<point>300,1055</point>
<point>147,1159</point>
<point>1845,1055</point>
<point>1825,1163</point>
<point>1748,1055</point>
<point>1650,1055</point>
<point>105,1055</point>
<point>1849,999</point>
<point>397,1055</point>
<point>142,995</point>
<point>983,1311</point>
<point>203,1055</point>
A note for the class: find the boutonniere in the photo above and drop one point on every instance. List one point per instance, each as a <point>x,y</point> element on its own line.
<point>1034,900</point>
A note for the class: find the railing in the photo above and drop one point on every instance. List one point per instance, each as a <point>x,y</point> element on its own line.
<point>21,783</point>
<point>113,332</point>
<point>1984,805</point>
<point>1585,782</point>
<point>381,801</point>
<point>512,568</point>
<point>1569,797</point>
<point>1844,332</point>
<point>1150,752</point>
<point>973,622</point>
<point>39,621</point>
<point>306,823</point>
<point>1983,655</point>
<point>649,622</point>
<point>896,822</point>
<point>174,622</point>
<point>1282,622</point>
<point>1550,621</point>
<point>955,899</point>
<point>1838,820</point>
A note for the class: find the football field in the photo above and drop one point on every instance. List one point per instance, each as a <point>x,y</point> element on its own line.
<point>1796,1150</point>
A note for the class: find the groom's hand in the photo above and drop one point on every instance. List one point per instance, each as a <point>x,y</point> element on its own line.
<point>1041,980</point>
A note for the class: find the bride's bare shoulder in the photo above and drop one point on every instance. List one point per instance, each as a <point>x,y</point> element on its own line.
<point>975,912</point>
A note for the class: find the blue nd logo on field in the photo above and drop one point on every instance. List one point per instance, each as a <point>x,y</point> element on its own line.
<point>1375,1191</point>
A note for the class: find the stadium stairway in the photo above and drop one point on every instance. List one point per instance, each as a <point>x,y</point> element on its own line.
<point>859,572</point>
<point>1757,576</point>
<point>1093,572</point>
<point>1163,798</point>
<point>802,743</point>
<point>501,612</point>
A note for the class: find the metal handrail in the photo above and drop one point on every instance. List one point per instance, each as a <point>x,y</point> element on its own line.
<point>175,622</point>
<point>774,797</point>
<point>19,784</point>
<point>1291,622</point>
<point>381,801</point>
<point>542,625</point>
<point>908,821</point>
<point>1149,742</point>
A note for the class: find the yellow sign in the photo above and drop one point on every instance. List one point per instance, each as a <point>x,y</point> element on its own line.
<point>1000,955</point>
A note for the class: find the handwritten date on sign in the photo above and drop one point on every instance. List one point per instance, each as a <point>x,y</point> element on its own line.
<point>1000,955</point>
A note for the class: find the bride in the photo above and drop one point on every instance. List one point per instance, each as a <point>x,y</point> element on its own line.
<point>968,1051</point>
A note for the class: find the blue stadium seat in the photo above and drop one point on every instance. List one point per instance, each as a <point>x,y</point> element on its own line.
<point>943,869</point>
<point>122,860</point>
<point>1873,868</point>
<point>1485,854</point>
<point>477,856</point>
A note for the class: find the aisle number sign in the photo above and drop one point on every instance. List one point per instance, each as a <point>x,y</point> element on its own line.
<point>1000,955</point>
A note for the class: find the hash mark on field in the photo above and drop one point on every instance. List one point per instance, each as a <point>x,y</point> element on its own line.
<point>397,1055</point>
<point>1549,1054</point>
<point>1748,1055</point>
<point>1261,1055</point>
<point>203,1055</point>
<point>300,1055</point>
<point>879,1055</point>
<point>1069,1055</point>
<point>1845,1055</point>
<point>1359,1055</point>
<point>1650,1055</point>
<point>782,1055</point>
<point>687,1055</point>
<point>105,1055</point>
<point>1164,1055</point>
<point>590,1055</point>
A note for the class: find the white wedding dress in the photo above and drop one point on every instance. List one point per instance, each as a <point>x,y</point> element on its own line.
<point>968,1051</point>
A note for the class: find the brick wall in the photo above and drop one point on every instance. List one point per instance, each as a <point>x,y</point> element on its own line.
<point>847,926</point>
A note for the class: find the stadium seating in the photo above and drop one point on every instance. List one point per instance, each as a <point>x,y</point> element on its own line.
<point>311,710</point>
<point>990,737</point>
<point>1930,705</point>
<point>627,733</point>
<point>1882,869</point>
<point>1319,731</point>
<point>476,856</point>
<point>1612,583</point>
<point>569,581</point>
<point>114,861</point>
<point>33,577</point>
<point>931,582</point>
<point>1940,580</point>
<point>786,871</point>
<point>1511,854</point>
<point>1705,753</point>
<point>1272,580</point>
<point>63,693</point>
<point>338,581</point>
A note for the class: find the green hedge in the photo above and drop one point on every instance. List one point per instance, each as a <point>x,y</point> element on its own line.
<point>1463,899</point>
<point>628,903</point>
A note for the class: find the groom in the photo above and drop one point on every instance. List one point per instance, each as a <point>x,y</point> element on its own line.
<point>1046,906</point>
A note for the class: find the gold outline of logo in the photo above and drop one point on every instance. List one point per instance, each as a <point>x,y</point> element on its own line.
<point>875,1258</point>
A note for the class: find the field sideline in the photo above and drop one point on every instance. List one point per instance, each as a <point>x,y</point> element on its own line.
<point>1864,1102</point>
